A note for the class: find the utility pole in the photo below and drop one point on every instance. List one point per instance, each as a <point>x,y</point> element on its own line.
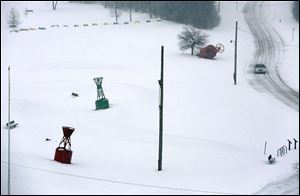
<point>161,85</point>
<point>8,149</point>
<point>218,6</point>
<point>235,53</point>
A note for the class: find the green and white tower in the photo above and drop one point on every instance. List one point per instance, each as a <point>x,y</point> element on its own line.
<point>101,102</point>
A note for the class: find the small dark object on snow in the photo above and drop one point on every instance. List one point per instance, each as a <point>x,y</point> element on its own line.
<point>11,125</point>
<point>260,68</point>
<point>271,160</point>
<point>47,139</point>
<point>76,25</point>
<point>74,94</point>
<point>85,25</point>
<point>14,30</point>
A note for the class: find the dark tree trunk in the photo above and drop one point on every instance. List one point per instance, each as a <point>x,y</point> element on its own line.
<point>130,14</point>
<point>116,13</point>
<point>54,3</point>
<point>150,9</point>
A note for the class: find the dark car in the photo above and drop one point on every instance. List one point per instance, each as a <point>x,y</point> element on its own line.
<point>260,69</point>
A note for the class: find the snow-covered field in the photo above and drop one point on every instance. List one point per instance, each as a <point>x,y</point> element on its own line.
<point>214,131</point>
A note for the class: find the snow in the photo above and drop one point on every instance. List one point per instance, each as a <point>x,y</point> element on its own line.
<point>289,70</point>
<point>214,131</point>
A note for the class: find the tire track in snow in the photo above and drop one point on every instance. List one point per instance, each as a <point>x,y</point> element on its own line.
<point>123,182</point>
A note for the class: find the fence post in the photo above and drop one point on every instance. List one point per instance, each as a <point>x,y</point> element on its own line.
<point>289,144</point>
<point>295,143</point>
<point>279,151</point>
<point>284,149</point>
<point>265,147</point>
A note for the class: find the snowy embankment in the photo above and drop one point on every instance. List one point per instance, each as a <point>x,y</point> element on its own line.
<point>214,131</point>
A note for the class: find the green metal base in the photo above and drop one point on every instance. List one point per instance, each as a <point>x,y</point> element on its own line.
<point>102,104</point>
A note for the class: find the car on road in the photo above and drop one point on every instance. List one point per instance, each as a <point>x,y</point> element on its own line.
<point>260,69</point>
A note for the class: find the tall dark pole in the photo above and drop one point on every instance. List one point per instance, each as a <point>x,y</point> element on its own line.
<point>161,85</point>
<point>235,53</point>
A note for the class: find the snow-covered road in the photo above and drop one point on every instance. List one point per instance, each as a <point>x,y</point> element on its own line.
<point>270,51</point>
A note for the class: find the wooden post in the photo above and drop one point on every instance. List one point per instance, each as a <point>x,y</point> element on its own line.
<point>161,82</point>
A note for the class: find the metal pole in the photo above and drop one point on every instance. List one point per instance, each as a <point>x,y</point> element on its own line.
<point>8,149</point>
<point>161,110</point>
<point>235,53</point>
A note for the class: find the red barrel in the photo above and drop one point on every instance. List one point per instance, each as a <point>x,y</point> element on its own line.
<point>63,155</point>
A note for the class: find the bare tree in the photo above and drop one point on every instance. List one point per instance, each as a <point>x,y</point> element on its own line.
<point>116,12</point>
<point>13,18</point>
<point>150,8</point>
<point>54,4</point>
<point>191,38</point>
<point>130,10</point>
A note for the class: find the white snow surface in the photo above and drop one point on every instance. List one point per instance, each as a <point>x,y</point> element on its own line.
<point>214,131</point>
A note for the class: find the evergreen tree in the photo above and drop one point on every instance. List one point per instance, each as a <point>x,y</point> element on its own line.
<point>201,14</point>
<point>296,10</point>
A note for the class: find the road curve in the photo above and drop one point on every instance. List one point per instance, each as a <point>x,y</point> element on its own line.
<point>270,51</point>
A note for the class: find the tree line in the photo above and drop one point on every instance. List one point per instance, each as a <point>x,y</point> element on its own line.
<point>200,14</point>
<point>296,10</point>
